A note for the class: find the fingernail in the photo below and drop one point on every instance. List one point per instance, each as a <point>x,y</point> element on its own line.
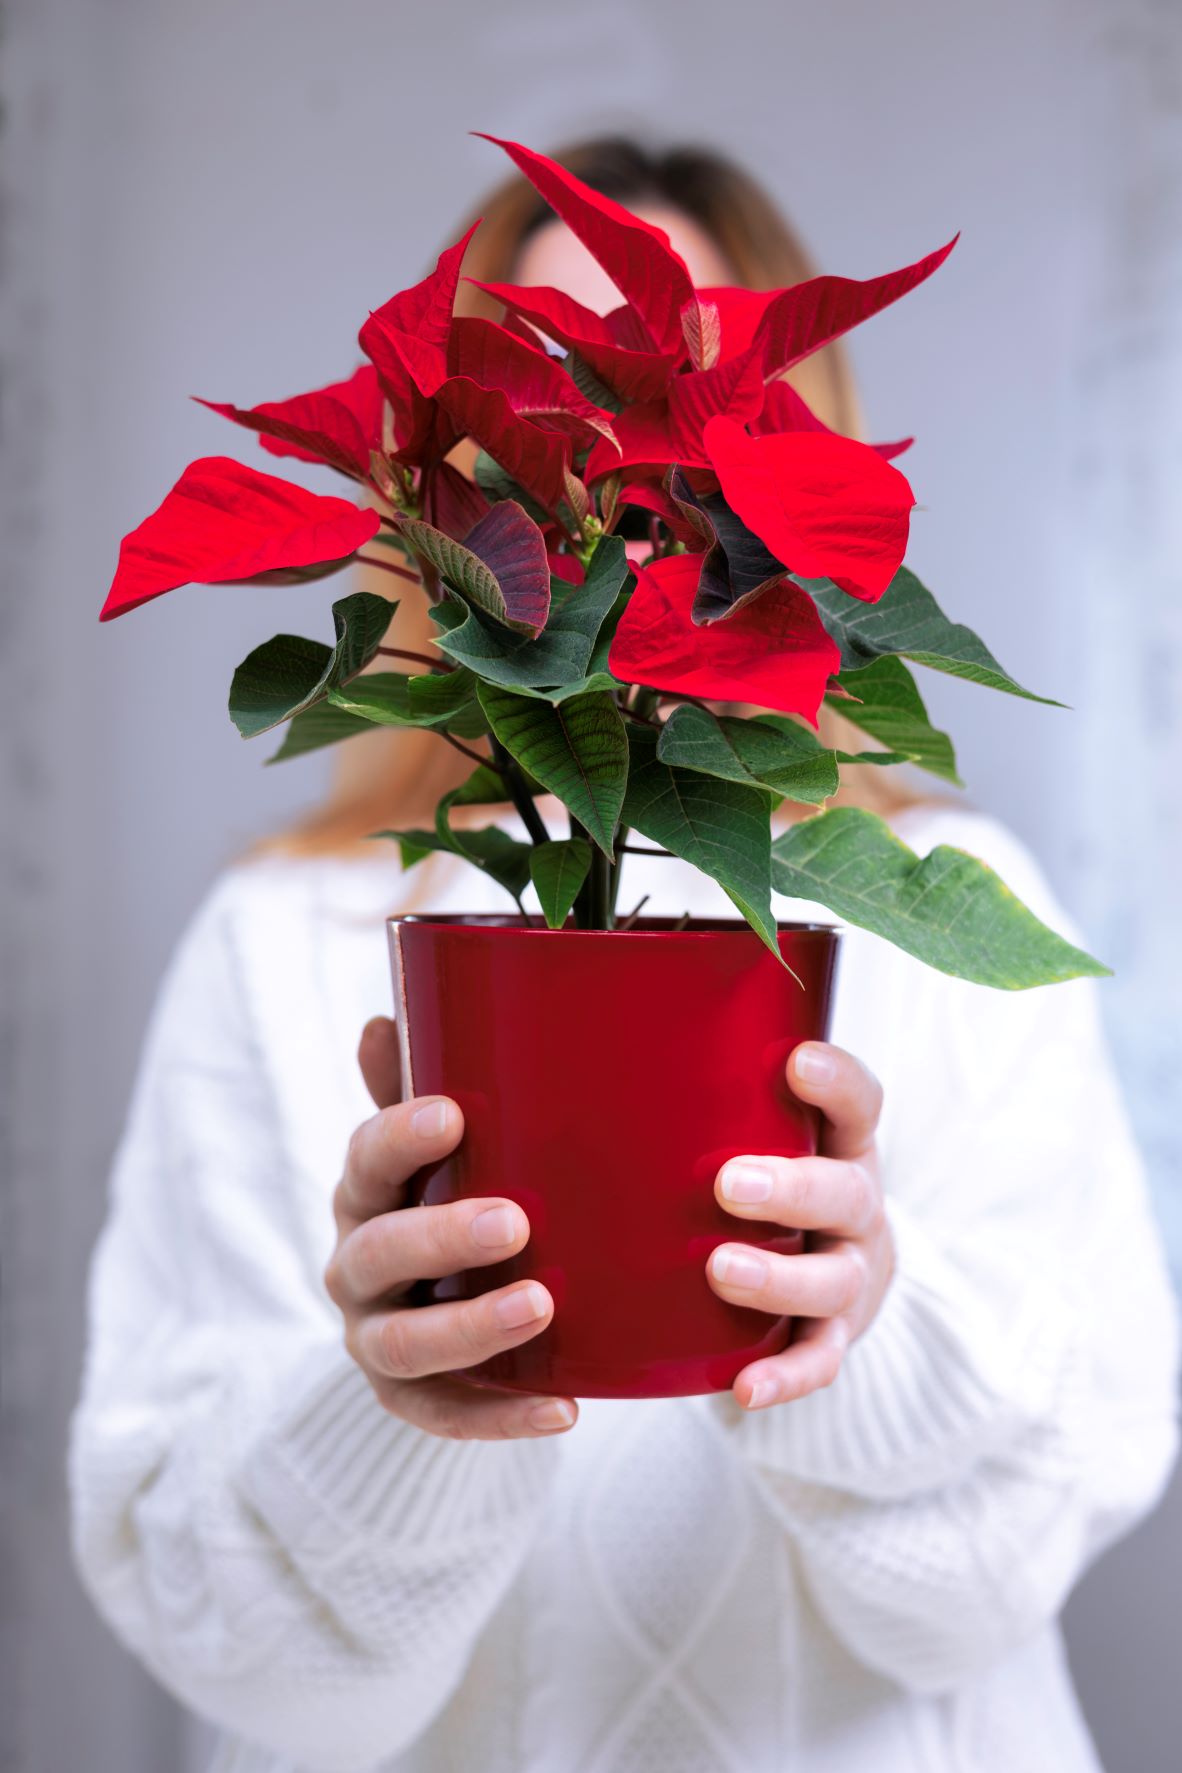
<point>496,1226</point>
<point>431,1120</point>
<point>524,1306</point>
<point>746,1182</point>
<point>814,1064</point>
<point>762,1392</point>
<point>739,1268</point>
<point>551,1413</point>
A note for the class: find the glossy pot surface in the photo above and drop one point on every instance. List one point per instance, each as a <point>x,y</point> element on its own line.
<point>604,1077</point>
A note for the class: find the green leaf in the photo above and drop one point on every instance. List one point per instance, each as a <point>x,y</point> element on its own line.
<point>558,870</point>
<point>781,757</point>
<point>469,723</point>
<point>387,698</point>
<point>722,828</point>
<point>785,723</point>
<point>890,708</point>
<point>288,674</point>
<point>579,750</point>
<point>319,725</point>
<point>947,908</point>
<point>908,620</point>
<point>601,681</point>
<point>488,848</point>
<point>561,655</point>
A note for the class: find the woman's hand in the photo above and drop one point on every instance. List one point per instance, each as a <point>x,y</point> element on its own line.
<point>836,1287</point>
<point>383,1247</point>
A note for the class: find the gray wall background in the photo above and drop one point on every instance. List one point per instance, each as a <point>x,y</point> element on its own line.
<point>208,200</point>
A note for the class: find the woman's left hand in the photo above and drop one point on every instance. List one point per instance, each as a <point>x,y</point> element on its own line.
<point>836,1287</point>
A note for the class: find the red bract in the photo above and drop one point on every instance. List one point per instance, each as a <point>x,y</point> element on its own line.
<point>519,405</point>
<point>636,256</point>
<point>567,567</point>
<point>774,653</point>
<point>800,320</point>
<point>223,522</point>
<point>447,377</point>
<point>606,342</point>
<point>784,410</point>
<point>340,424</point>
<point>792,323</point>
<point>825,506</point>
<point>654,435</point>
<point>739,312</point>
<point>406,340</point>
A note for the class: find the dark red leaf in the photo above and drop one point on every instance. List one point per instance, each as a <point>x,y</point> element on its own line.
<point>826,507</point>
<point>688,527</point>
<point>737,566</point>
<point>514,549</point>
<point>451,501</point>
<point>636,256</point>
<point>774,653</point>
<point>339,424</point>
<point>222,523</point>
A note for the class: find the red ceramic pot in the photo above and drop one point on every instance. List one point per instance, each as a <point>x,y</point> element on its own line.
<point>604,1077</point>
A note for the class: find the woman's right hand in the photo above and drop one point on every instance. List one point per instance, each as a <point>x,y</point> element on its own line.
<point>383,1247</point>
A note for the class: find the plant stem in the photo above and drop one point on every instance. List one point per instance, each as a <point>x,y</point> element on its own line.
<point>519,794</point>
<point>466,751</point>
<point>386,566</point>
<point>400,652</point>
<point>635,912</point>
<point>676,696</point>
<point>594,907</point>
<point>599,879</point>
<point>617,870</point>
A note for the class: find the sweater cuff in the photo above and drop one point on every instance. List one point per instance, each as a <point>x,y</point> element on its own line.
<point>338,1466</point>
<point>937,1382</point>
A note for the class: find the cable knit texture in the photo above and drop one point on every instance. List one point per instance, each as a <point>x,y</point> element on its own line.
<point>866,1579</point>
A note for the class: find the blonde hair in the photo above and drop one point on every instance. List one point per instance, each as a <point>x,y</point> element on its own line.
<point>392,778</point>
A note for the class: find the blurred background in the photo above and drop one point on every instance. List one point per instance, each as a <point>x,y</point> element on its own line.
<point>208,200</point>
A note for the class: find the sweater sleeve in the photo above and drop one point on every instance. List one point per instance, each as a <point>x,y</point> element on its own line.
<point>295,1564</point>
<point>1011,1410</point>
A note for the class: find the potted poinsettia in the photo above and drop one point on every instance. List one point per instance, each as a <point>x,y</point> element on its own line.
<point>773,583</point>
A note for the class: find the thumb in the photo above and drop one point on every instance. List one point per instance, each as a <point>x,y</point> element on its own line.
<point>378,1057</point>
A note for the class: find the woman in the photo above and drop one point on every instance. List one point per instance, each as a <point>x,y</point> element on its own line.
<point>349,1560</point>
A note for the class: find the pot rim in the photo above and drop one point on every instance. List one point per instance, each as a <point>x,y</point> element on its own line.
<point>505,924</point>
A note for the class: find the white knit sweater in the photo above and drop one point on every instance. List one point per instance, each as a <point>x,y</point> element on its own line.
<point>863,1582</point>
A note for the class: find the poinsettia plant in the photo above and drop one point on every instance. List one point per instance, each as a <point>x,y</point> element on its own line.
<point>766,576</point>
